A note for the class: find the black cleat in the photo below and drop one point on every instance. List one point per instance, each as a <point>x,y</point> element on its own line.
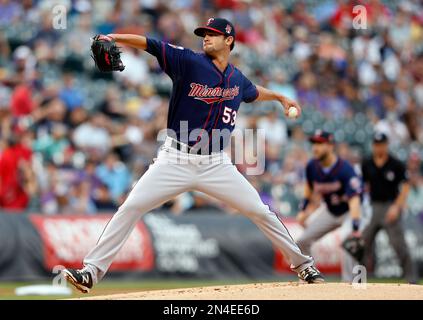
<point>311,275</point>
<point>80,279</point>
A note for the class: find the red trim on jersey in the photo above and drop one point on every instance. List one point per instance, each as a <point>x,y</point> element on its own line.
<point>229,78</point>
<point>205,124</point>
<point>215,122</point>
<point>220,105</point>
<point>212,100</point>
<point>217,118</point>
<point>208,117</point>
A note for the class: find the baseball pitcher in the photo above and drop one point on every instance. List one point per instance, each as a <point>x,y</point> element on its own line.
<point>207,92</point>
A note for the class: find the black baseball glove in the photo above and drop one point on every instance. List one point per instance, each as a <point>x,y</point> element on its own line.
<point>354,245</point>
<point>106,54</point>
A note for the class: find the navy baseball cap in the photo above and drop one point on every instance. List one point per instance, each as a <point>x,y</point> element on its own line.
<point>380,137</point>
<point>218,25</point>
<point>321,136</point>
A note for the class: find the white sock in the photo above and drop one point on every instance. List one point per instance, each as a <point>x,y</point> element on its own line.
<point>92,270</point>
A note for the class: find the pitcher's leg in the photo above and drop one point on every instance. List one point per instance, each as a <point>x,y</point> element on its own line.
<point>160,183</point>
<point>227,184</point>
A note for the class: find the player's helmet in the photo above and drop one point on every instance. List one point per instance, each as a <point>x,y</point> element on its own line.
<point>218,25</point>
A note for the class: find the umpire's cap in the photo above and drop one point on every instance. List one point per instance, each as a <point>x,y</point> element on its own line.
<point>320,136</point>
<point>380,137</point>
<point>218,25</point>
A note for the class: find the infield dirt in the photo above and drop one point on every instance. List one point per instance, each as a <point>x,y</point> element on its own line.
<point>280,291</point>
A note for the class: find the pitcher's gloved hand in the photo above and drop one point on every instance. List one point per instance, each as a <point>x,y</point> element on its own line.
<point>354,245</point>
<point>106,54</point>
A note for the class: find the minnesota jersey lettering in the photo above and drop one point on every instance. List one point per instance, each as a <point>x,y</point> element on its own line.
<point>212,95</point>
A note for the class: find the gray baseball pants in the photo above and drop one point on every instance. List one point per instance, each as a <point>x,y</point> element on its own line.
<point>174,172</point>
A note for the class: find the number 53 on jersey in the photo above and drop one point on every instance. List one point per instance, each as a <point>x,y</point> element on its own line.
<point>229,116</point>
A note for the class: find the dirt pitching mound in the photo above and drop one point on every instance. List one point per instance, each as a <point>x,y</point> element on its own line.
<point>280,291</point>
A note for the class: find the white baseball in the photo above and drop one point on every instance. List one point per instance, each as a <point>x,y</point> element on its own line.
<point>292,112</point>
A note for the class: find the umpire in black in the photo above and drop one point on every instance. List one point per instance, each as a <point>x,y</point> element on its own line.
<point>386,181</point>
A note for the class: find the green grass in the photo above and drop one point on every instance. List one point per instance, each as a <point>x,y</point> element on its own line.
<point>7,289</point>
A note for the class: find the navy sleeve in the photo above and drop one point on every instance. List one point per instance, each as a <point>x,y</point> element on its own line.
<point>351,181</point>
<point>171,58</point>
<point>249,90</point>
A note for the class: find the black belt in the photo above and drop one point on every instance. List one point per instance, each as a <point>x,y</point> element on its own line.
<point>187,149</point>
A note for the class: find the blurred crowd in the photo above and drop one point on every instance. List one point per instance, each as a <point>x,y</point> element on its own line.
<point>73,140</point>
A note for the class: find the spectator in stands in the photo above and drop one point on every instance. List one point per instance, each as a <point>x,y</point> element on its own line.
<point>93,136</point>
<point>310,50</point>
<point>71,96</point>
<point>274,128</point>
<point>52,146</point>
<point>79,199</point>
<point>115,175</point>
<point>10,12</point>
<point>391,125</point>
<point>17,180</point>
